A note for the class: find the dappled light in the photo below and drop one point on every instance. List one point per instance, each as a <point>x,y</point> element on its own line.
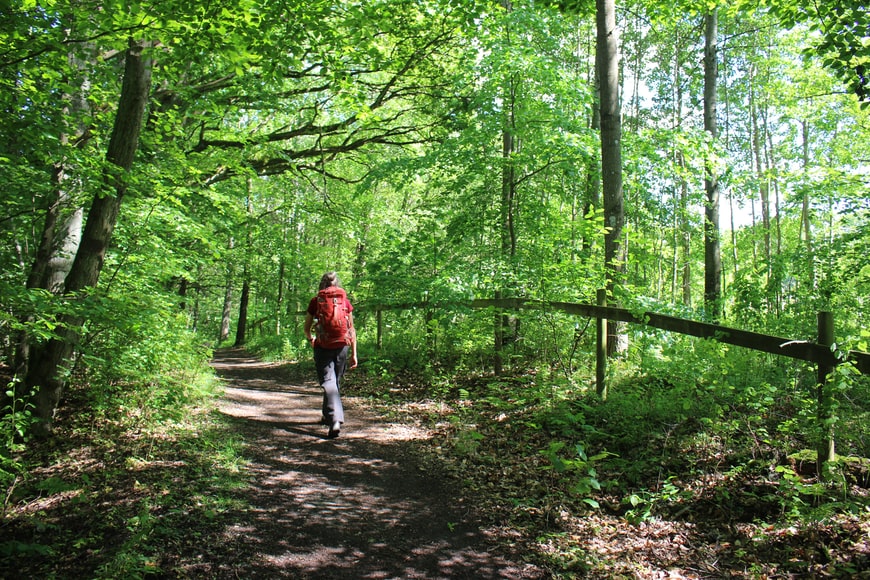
<point>596,272</point>
<point>359,506</point>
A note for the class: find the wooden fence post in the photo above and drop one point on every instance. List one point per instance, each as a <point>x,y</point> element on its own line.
<point>380,338</point>
<point>601,348</point>
<point>825,450</point>
<point>497,337</point>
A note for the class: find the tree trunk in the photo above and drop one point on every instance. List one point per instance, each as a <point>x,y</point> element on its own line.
<point>224,332</point>
<point>62,228</point>
<point>776,270</point>
<point>805,208</point>
<point>50,267</point>
<point>282,269</point>
<point>712,257</point>
<point>593,172</point>
<point>61,236</point>
<point>279,302</point>
<point>760,172</point>
<point>607,61</point>
<point>686,240</point>
<point>682,209</point>
<point>242,324</point>
<point>50,362</point>
<point>507,226</point>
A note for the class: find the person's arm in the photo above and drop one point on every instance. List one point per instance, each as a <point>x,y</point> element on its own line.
<point>309,322</point>
<point>352,336</point>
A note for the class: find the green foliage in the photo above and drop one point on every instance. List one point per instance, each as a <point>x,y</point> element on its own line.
<point>16,419</point>
<point>147,478</point>
<point>367,138</point>
<point>579,468</point>
<point>642,504</point>
<point>139,358</point>
<point>841,39</point>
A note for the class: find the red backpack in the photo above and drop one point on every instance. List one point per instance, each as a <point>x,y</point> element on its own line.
<point>333,318</point>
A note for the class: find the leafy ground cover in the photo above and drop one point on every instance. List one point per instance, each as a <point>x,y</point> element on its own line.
<point>249,488</point>
<point>592,496</point>
<point>476,478</point>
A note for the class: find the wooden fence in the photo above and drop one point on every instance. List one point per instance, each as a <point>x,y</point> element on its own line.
<point>821,352</point>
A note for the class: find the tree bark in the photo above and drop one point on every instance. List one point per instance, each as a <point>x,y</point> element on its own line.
<point>62,227</point>
<point>760,172</point>
<point>507,226</point>
<point>224,332</point>
<point>593,172</point>
<point>244,300</point>
<point>50,362</point>
<point>712,257</point>
<point>242,324</point>
<point>607,61</point>
<point>806,226</point>
<point>682,209</point>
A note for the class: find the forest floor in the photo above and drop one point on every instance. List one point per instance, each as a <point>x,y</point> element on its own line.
<point>255,489</point>
<point>357,506</point>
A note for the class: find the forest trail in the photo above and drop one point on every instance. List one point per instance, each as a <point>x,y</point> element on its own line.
<point>358,506</point>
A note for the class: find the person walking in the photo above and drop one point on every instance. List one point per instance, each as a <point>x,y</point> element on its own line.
<point>330,315</point>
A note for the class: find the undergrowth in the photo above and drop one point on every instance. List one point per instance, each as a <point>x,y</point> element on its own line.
<point>119,480</point>
<point>723,451</point>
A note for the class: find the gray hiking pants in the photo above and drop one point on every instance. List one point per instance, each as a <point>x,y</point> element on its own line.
<point>331,363</point>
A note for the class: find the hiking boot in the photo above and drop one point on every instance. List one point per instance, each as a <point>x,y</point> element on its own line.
<point>334,430</point>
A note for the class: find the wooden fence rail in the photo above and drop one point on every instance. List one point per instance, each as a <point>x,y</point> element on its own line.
<point>821,353</point>
<point>801,349</point>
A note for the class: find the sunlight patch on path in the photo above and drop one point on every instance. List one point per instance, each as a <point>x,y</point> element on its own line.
<point>355,507</point>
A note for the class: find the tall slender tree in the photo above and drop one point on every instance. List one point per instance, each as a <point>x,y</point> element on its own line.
<point>607,61</point>
<point>712,256</point>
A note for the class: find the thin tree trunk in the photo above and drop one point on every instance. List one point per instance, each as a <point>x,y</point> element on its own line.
<point>727,145</point>
<point>733,233</point>
<point>761,172</point>
<point>682,207</point>
<point>771,163</point>
<point>279,303</point>
<point>607,61</point>
<point>242,324</point>
<point>593,171</point>
<point>712,258</point>
<point>224,332</point>
<point>508,231</point>
<point>282,274</point>
<point>686,240</point>
<point>805,208</point>
<point>777,225</point>
<point>675,246</point>
<point>508,228</point>
<point>244,299</point>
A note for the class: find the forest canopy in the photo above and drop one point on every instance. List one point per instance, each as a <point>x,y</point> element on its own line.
<point>172,168</point>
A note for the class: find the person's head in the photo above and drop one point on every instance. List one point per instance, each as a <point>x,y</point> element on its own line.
<point>329,279</point>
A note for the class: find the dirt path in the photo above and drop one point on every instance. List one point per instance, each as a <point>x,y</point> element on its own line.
<point>354,507</point>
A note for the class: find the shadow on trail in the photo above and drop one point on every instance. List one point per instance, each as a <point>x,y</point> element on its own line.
<point>354,507</point>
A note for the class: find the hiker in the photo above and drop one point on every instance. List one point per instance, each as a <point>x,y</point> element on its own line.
<point>334,334</point>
